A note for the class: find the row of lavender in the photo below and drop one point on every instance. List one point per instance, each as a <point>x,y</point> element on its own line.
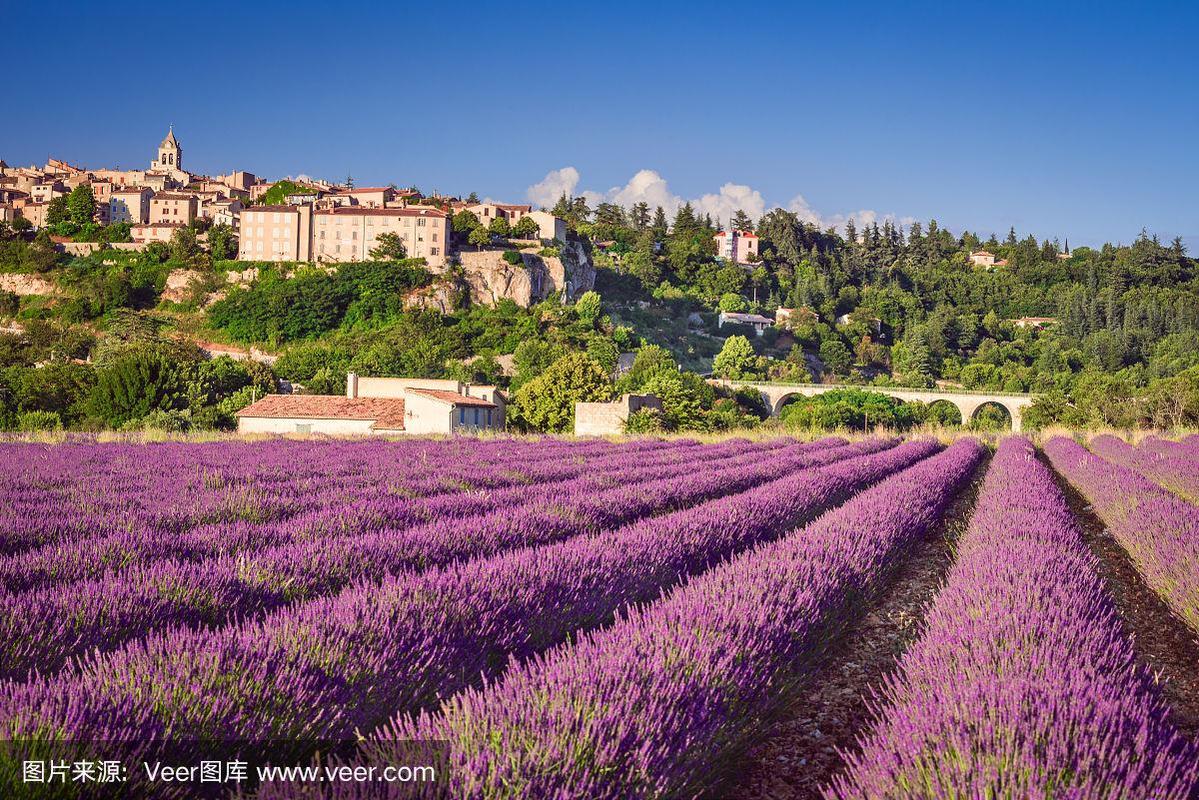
<point>326,669</point>
<point>657,703</point>
<point>1023,683</point>
<point>49,493</point>
<point>91,556</point>
<point>1157,528</point>
<point>43,626</point>
<point>1169,464</point>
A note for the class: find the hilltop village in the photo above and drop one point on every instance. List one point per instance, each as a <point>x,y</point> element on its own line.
<point>125,295</point>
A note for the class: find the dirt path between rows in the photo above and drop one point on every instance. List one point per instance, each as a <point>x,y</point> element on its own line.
<point>1162,641</point>
<point>798,757</point>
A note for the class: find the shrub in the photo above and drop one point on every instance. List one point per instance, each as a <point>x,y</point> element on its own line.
<point>38,421</point>
<point>513,257</point>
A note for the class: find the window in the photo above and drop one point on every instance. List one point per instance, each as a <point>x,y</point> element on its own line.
<point>435,237</point>
<point>489,418</point>
<point>461,416</point>
<point>434,252</point>
<point>420,223</point>
<point>304,427</point>
<point>476,417</point>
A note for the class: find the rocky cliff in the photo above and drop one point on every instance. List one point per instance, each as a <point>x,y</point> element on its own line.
<point>490,278</point>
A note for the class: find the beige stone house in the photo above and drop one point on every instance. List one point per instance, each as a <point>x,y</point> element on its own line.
<point>549,227</point>
<point>47,191</point>
<point>242,181</point>
<point>275,233</point>
<point>608,419</point>
<point>35,213</point>
<point>173,207</point>
<point>349,233</point>
<point>380,406</point>
<point>489,212</point>
<point>369,196</point>
<point>154,232</point>
<point>227,212</point>
<point>130,205</point>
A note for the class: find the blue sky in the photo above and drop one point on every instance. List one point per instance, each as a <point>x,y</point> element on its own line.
<point>1075,120</point>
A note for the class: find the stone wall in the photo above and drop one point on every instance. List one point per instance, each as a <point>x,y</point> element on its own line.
<point>608,419</point>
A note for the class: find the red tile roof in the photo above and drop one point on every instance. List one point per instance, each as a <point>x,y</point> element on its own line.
<point>172,196</point>
<point>454,398</point>
<point>387,412</point>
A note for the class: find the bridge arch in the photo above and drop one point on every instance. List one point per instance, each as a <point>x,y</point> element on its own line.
<point>776,395</point>
<point>776,406</point>
<point>946,411</point>
<point>987,408</point>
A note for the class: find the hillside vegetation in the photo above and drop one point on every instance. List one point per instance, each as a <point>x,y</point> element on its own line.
<point>877,306</point>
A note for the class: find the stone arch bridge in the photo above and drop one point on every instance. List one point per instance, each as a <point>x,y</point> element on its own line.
<point>967,403</point>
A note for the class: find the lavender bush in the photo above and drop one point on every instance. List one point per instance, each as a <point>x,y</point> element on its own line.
<point>1023,683</point>
<point>1159,530</point>
<point>653,705</point>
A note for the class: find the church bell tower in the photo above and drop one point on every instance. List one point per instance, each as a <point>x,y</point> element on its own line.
<point>170,154</point>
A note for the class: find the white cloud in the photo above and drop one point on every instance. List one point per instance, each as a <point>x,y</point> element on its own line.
<point>650,187</point>
<point>556,183</point>
<point>861,218</point>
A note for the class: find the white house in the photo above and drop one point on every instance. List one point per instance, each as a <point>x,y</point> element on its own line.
<point>380,406</point>
<point>756,321</point>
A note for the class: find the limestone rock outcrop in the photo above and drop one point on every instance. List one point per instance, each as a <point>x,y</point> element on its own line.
<point>490,278</point>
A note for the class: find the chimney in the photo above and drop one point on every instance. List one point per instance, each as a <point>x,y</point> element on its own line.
<point>351,384</point>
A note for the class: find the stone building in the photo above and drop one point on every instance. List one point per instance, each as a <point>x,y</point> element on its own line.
<point>275,233</point>
<point>172,207</point>
<point>130,205</point>
<point>349,233</point>
<point>740,247</point>
<point>380,406</point>
<point>608,419</point>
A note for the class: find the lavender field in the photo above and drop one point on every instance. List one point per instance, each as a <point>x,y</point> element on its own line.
<point>556,618</point>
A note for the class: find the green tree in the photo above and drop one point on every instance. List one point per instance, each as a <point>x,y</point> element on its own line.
<point>389,247</point>
<point>134,385</point>
<point>737,361</point>
<point>184,246</point>
<point>732,302</point>
<point>547,403</point>
<point>659,226</point>
<point>479,237</point>
<point>56,211</point>
<point>81,204</point>
<point>465,222</point>
<point>604,352</point>
<point>222,242</point>
<point>588,307</point>
<point>526,228</point>
<point>500,227</point>
<point>836,356</point>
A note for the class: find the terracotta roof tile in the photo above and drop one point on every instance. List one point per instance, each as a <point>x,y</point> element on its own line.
<point>387,412</point>
<point>454,397</point>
